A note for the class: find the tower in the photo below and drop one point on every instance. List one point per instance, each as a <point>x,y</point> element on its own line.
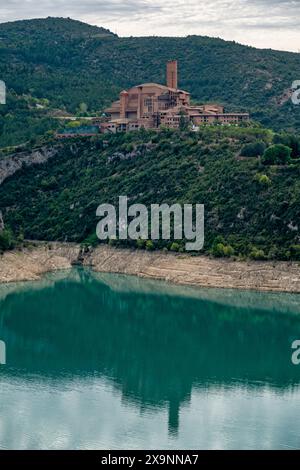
<point>172,74</point>
<point>123,103</point>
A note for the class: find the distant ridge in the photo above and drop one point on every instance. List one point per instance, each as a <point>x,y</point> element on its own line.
<point>66,26</point>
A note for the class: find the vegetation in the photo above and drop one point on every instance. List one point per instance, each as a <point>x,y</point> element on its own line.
<point>55,67</point>
<point>254,149</point>
<point>61,64</point>
<point>251,209</point>
<point>277,155</point>
<point>7,240</point>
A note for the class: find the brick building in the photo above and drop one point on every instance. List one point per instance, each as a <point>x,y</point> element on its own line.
<point>152,105</point>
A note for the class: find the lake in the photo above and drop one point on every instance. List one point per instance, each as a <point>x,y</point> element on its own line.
<point>105,361</point>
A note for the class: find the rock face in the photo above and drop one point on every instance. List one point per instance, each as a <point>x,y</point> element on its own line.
<point>12,163</point>
<point>1,222</point>
<point>201,271</point>
<point>32,262</point>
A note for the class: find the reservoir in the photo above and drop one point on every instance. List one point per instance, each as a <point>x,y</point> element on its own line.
<point>107,361</point>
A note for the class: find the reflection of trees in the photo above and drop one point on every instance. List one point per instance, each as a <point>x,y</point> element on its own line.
<point>154,348</point>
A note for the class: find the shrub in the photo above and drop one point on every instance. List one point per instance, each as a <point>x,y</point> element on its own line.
<point>264,180</point>
<point>73,124</point>
<point>175,246</point>
<point>6,240</point>
<point>140,243</point>
<point>255,149</point>
<point>91,240</point>
<point>257,254</point>
<point>149,245</point>
<point>291,141</point>
<point>228,251</point>
<point>220,249</point>
<point>277,155</point>
<point>295,252</point>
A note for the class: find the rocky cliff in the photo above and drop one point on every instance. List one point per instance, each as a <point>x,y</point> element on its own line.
<point>12,163</point>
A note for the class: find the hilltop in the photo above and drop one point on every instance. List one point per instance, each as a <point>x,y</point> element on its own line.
<point>65,27</point>
<point>57,63</point>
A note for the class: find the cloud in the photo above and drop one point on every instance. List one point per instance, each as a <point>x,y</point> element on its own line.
<point>262,23</point>
<point>13,9</point>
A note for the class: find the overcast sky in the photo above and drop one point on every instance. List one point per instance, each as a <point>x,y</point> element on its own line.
<point>260,23</point>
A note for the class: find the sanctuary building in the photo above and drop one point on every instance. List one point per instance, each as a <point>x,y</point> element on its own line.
<point>152,105</point>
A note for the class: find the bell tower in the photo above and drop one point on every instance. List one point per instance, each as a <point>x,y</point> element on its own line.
<point>172,74</point>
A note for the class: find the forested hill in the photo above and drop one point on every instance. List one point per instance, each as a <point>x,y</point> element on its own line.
<point>252,205</point>
<point>66,63</point>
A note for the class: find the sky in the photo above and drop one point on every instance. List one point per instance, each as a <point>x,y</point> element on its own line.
<point>260,23</point>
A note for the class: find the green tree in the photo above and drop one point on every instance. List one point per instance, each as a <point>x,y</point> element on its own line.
<point>83,107</point>
<point>291,141</point>
<point>183,121</point>
<point>6,240</point>
<point>277,154</point>
<point>255,149</point>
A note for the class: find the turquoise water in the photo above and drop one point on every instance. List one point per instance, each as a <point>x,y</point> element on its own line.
<point>109,361</point>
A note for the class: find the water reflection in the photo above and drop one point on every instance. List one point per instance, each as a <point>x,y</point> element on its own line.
<point>157,348</point>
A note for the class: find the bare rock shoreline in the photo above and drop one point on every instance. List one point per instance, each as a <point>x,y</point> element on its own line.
<point>31,263</point>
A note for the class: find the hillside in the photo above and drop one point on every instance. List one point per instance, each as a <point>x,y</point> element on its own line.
<point>61,63</point>
<point>252,209</point>
<point>35,29</point>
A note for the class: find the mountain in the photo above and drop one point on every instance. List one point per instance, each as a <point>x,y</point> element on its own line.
<point>61,63</point>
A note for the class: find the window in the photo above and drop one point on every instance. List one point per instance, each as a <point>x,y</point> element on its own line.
<point>149,104</point>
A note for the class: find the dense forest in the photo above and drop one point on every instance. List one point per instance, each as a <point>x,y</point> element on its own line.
<point>61,64</point>
<point>247,178</point>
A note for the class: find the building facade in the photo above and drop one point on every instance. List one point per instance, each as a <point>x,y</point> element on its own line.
<point>152,105</point>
